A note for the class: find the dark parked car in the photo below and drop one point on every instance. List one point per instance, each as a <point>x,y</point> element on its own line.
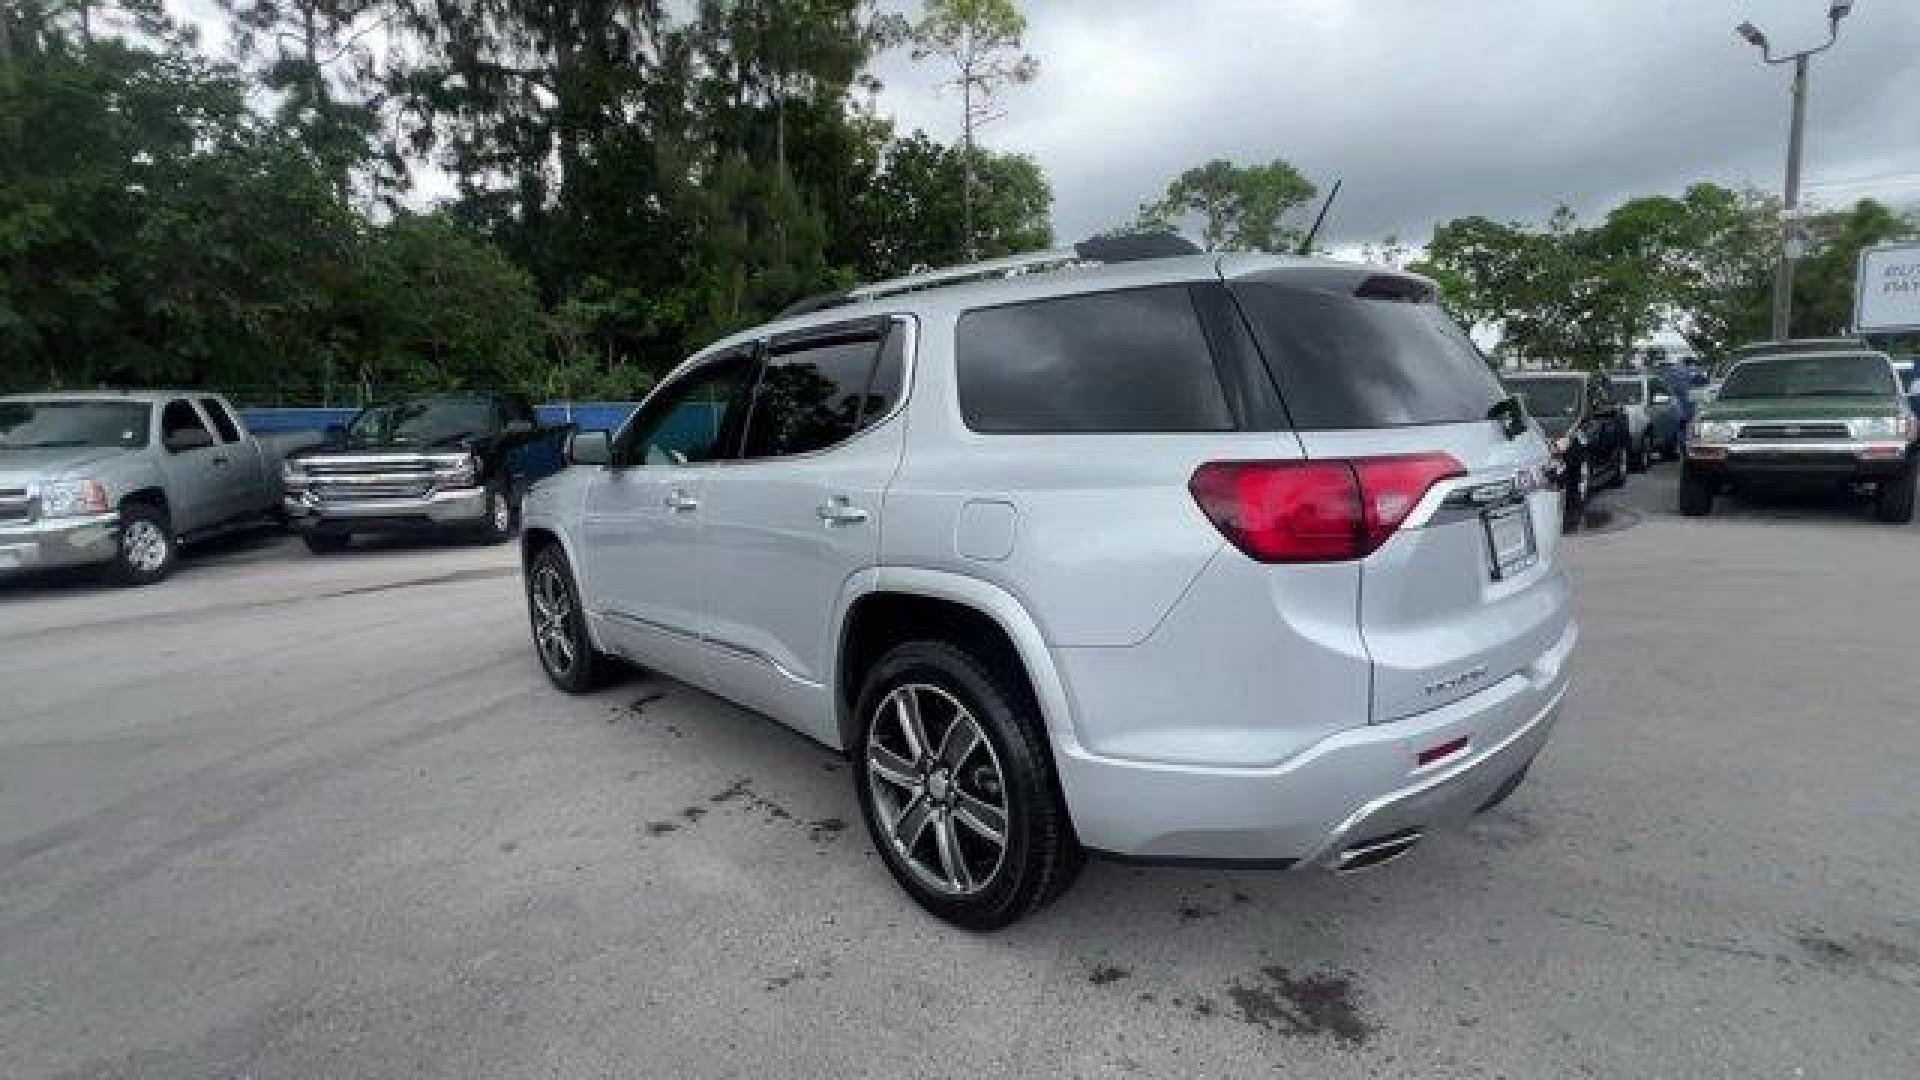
<point>1585,425</point>
<point>453,463</point>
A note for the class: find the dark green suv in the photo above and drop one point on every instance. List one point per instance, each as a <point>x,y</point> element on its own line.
<point>1791,414</point>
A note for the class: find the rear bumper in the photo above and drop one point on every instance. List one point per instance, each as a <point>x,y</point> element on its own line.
<point>457,508</point>
<point>59,542</point>
<point>1346,790</point>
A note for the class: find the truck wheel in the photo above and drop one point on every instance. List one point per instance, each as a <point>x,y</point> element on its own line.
<point>1893,503</point>
<point>957,787</point>
<point>497,528</point>
<point>1641,454</point>
<point>147,550</point>
<point>1573,491</point>
<point>1696,493</point>
<point>560,626</point>
<point>327,543</point>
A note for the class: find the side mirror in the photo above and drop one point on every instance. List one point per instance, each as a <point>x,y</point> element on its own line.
<point>188,439</point>
<point>589,448</point>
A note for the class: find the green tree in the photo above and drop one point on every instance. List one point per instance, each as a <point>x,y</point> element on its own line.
<point>1240,208</point>
<point>981,41</point>
<point>915,213</point>
<point>1824,284</point>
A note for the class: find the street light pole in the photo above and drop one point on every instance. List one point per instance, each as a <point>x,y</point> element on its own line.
<point>1796,139</point>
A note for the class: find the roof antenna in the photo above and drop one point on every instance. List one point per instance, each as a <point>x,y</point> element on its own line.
<point>1306,244</point>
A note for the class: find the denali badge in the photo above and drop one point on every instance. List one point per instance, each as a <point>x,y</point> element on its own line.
<point>1471,675</point>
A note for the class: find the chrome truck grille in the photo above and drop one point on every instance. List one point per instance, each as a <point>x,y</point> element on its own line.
<point>16,504</point>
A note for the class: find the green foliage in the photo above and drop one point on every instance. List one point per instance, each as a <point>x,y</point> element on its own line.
<point>980,40</point>
<point>1702,263</point>
<point>1240,208</point>
<point>631,179</point>
<point>914,215</point>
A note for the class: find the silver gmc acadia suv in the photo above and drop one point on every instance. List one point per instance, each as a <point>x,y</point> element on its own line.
<point>1166,557</point>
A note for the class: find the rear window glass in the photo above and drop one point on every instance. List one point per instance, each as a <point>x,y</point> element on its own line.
<point>1810,376</point>
<point>1547,397</point>
<point>1134,360</point>
<point>1347,361</point>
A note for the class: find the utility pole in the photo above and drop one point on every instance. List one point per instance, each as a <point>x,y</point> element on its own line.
<point>1791,238</point>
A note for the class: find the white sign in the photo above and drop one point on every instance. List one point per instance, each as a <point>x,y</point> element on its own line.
<point>1887,298</point>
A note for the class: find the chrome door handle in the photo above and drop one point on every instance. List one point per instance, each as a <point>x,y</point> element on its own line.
<point>839,512</point>
<point>682,503</point>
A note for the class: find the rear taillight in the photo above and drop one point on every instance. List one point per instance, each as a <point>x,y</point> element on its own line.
<point>1315,511</point>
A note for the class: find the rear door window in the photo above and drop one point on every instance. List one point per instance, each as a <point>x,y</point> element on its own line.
<point>1134,360</point>
<point>812,396</point>
<point>222,420</point>
<point>1367,358</point>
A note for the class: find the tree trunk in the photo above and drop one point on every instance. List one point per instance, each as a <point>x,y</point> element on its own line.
<point>966,163</point>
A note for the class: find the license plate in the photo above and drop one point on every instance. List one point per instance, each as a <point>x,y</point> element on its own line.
<point>1510,539</point>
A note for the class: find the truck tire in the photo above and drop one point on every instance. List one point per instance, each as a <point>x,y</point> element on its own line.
<point>1696,493</point>
<point>502,514</point>
<point>147,548</point>
<point>328,542</point>
<point>1893,503</point>
<point>1573,490</point>
<point>1641,454</point>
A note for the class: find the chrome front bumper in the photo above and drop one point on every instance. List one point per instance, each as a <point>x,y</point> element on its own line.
<point>75,541</point>
<point>459,506</point>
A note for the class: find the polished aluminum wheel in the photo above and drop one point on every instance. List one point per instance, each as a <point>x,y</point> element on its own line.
<point>145,545</point>
<point>553,619</point>
<point>501,511</point>
<point>938,791</point>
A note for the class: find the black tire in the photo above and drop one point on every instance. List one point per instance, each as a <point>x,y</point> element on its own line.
<point>1696,493</point>
<point>328,542</point>
<point>147,549</point>
<point>1617,469</point>
<point>559,626</point>
<point>1039,856</point>
<point>1640,455</point>
<point>502,515</point>
<point>1573,490</point>
<point>1893,502</point>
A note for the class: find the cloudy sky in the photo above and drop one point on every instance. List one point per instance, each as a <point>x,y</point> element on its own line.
<point>1432,109</point>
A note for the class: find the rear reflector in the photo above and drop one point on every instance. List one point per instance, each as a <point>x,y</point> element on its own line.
<point>1327,510</point>
<point>1445,750</point>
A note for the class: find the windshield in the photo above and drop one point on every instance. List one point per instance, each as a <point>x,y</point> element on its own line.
<point>1546,398</point>
<point>26,424</point>
<point>1630,391</point>
<point>1809,376</point>
<point>424,421</point>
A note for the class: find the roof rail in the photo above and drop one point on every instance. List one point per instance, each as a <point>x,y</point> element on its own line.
<point>1100,250</point>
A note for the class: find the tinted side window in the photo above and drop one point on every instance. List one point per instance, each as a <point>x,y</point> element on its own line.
<point>1122,361</point>
<point>698,417</point>
<point>222,420</point>
<point>178,417</point>
<point>811,398</point>
<point>1347,360</point>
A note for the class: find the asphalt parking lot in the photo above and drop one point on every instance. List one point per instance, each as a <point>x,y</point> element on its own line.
<point>295,817</point>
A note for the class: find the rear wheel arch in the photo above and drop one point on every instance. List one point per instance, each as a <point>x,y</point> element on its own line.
<point>883,611</point>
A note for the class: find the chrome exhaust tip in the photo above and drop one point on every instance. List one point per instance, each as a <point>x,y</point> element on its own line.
<point>1377,852</point>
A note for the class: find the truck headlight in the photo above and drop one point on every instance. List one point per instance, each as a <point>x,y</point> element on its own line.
<point>1711,431</point>
<point>463,473</point>
<point>1878,427</point>
<point>73,498</point>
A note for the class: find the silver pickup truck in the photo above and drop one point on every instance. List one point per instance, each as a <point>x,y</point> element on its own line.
<point>119,480</point>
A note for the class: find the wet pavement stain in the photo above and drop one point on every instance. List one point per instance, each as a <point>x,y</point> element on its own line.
<point>660,828</point>
<point>1194,913</point>
<point>825,827</point>
<point>638,706</point>
<point>1317,1004</point>
<point>1103,974</point>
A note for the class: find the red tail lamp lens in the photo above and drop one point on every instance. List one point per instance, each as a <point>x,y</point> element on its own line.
<point>1319,510</point>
